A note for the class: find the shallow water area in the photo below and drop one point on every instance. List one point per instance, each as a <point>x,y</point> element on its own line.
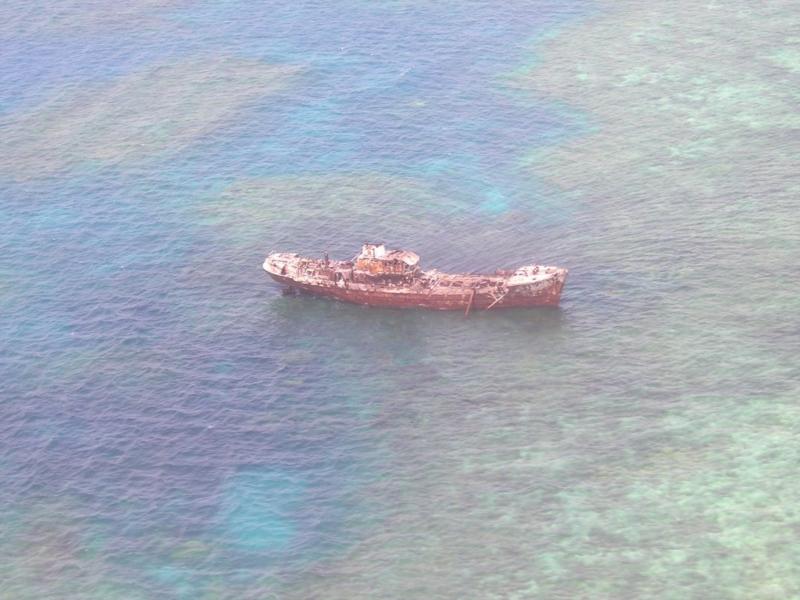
<point>173,427</point>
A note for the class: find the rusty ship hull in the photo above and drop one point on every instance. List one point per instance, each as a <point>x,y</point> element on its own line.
<point>378,282</point>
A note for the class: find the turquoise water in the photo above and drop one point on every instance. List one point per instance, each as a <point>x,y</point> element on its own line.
<point>173,427</point>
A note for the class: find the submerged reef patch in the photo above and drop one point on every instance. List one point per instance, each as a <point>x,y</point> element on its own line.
<point>136,116</point>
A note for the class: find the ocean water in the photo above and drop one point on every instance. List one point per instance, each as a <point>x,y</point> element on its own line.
<point>171,426</point>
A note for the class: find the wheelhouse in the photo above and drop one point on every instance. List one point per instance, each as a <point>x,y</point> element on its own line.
<point>375,260</point>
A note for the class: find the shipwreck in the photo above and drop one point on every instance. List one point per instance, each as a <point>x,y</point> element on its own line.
<point>380,277</point>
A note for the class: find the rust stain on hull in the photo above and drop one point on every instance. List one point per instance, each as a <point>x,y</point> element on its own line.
<point>377,277</point>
